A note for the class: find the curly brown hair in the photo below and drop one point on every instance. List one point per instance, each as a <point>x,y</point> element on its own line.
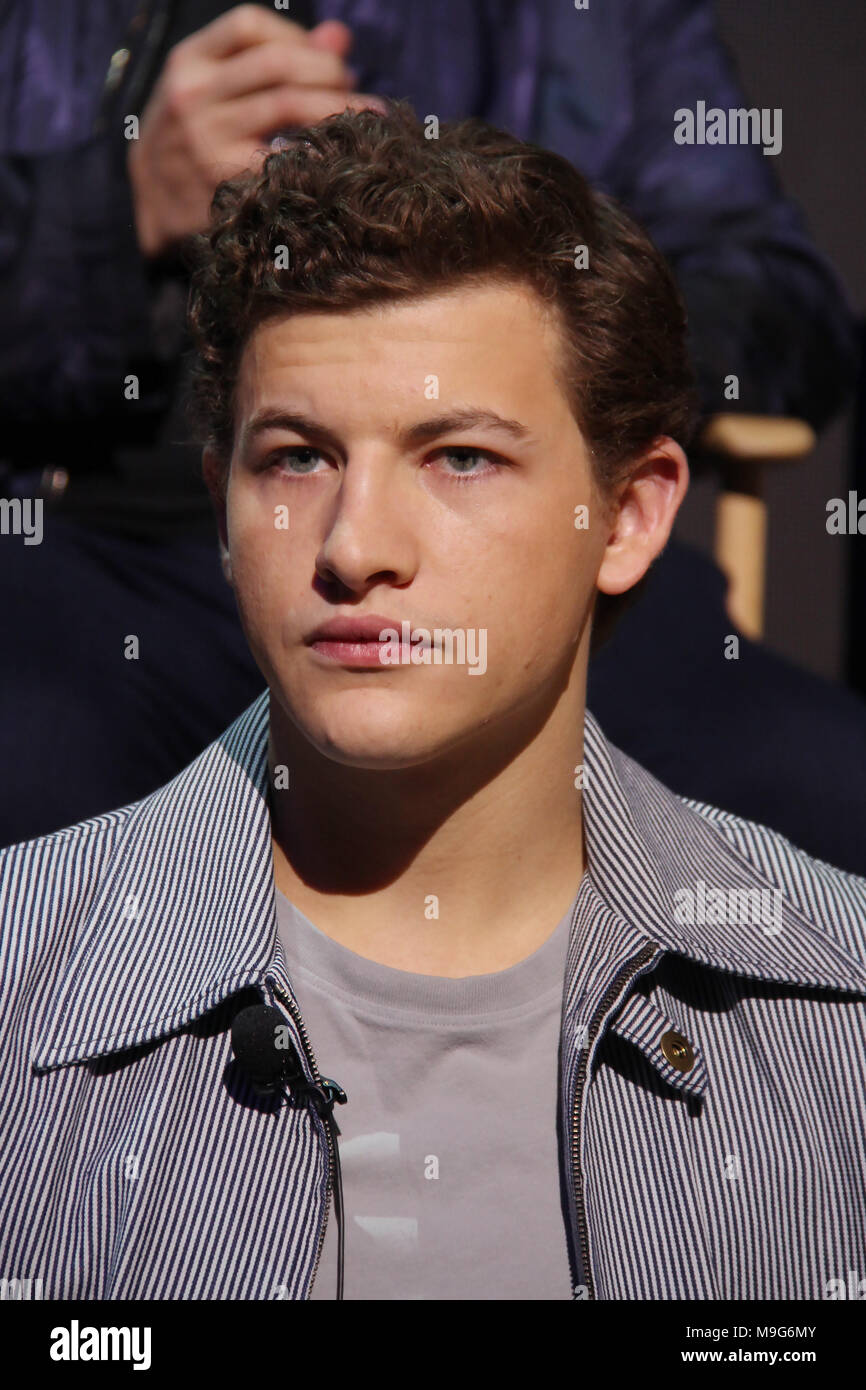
<point>370,209</point>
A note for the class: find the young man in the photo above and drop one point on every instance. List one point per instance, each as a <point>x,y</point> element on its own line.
<point>587,1039</point>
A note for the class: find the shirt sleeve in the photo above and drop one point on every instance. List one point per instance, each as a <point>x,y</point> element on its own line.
<point>78,300</point>
<point>763,304</point>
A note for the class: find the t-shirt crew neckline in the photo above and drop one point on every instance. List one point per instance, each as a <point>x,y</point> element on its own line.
<point>339,970</point>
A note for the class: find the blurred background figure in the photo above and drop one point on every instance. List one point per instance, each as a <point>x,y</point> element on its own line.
<point>123,654</point>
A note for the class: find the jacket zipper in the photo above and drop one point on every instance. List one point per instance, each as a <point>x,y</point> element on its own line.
<point>625,977</point>
<point>634,967</point>
<point>295,1012</point>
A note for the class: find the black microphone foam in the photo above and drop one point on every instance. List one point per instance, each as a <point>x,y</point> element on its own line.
<point>266,1055</point>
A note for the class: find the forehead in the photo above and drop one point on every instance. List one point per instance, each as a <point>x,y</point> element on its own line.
<point>499,333</point>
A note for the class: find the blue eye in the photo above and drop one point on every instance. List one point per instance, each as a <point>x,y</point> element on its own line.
<point>299,461</point>
<point>463,454</point>
<point>293,453</point>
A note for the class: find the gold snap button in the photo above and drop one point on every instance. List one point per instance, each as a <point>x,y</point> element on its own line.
<point>677,1050</point>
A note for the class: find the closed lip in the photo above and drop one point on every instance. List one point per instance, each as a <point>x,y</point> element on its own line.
<point>352,629</point>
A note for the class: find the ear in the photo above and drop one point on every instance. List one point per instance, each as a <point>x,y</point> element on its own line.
<point>642,514</point>
<point>215,471</point>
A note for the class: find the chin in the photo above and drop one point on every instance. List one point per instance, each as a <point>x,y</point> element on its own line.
<point>374,760</point>
<point>385,745</point>
<point>370,737</point>
<point>373,727</point>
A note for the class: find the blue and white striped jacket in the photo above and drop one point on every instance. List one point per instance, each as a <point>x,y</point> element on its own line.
<point>712,1060</point>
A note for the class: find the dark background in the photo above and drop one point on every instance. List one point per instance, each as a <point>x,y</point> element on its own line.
<point>809,59</point>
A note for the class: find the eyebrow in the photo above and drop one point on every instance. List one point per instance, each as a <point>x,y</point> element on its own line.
<point>419,433</point>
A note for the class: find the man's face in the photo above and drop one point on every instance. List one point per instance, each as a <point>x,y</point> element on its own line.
<point>468,528</point>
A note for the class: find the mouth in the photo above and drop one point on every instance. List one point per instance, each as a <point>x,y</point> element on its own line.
<point>358,642</point>
<point>369,654</point>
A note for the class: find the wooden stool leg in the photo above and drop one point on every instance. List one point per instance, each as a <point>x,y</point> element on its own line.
<point>741,544</point>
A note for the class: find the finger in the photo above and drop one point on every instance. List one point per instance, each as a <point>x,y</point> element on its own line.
<point>245,26</point>
<point>334,35</point>
<point>276,64</point>
<point>239,159</point>
<point>265,113</point>
<point>250,155</point>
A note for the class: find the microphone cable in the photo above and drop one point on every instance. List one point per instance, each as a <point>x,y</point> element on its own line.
<point>268,1067</point>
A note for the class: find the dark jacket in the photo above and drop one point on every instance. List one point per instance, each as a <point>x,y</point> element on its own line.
<point>79,308</point>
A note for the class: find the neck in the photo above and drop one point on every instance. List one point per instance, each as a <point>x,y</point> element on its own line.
<point>456,868</point>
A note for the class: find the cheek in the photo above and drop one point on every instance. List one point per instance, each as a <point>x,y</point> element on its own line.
<point>259,538</point>
<point>260,569</point>
<point>534,610</point>
<point>544,570</point>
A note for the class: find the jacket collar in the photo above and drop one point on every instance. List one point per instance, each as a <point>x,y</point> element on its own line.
<point>185,914</point>
<point>646,846</point>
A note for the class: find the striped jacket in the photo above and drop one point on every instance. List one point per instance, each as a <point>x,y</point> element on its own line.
<point>711,1069</point>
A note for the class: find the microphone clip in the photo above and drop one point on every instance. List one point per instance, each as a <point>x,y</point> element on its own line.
<point>323,1098</point>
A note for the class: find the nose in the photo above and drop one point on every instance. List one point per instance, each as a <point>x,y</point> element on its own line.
<point>370,538</point>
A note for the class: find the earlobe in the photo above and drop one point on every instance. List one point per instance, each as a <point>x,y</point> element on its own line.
<point>226,562</point>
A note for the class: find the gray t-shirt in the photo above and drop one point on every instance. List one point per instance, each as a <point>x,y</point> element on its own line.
<point>448,1145</point>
